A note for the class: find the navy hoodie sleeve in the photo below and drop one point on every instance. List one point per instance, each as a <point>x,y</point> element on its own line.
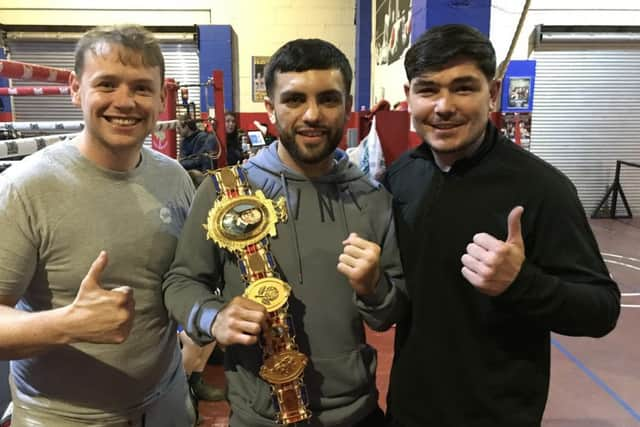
<point>203,143</point>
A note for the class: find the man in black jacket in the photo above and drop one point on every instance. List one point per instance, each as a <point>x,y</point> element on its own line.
<point>198,148</point>
<point>496,249</point>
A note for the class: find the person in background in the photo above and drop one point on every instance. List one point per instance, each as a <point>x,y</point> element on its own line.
<point>245,144</point>
<point>89,227</point>
<point>234,149</point>
<point>496,249</point>
<point>194,361</point>
<point>337,251</point>
<point>198,149</point>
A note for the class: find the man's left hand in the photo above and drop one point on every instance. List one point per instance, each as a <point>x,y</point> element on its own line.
<point>492,265</point>
<point>360,263</point>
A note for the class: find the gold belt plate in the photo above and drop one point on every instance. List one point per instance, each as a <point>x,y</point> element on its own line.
<point>283,367</point>
<point>270,292</point>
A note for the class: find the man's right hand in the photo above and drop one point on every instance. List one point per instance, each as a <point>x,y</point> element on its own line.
<point>98,315</point>
<point>239,322</point>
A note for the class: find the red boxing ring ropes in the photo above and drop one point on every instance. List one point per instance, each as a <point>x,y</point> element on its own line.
<point>24,71</point>
<point>163,139</point>
<point>34,91</point>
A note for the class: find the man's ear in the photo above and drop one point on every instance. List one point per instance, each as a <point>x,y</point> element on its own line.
<point>348,105</point>
<point>163,97</point>
<point>268,105</point>
<point>74,87</point>
<point>494,92</point>
<point>407,92</point>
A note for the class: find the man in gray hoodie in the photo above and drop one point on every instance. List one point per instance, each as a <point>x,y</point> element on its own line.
<point>337,251</point>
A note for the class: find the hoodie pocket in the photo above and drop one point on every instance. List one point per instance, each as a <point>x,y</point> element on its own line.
<point>248,393</point>
<point>263,403</point>
<point>341,379</point>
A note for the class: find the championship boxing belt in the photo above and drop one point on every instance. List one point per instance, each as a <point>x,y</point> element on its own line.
<point>242,221</point>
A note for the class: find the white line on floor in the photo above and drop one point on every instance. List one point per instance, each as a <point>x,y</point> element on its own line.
<point>633,267</point>
<point>620,256</point>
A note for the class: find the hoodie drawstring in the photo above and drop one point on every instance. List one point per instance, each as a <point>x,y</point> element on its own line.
<point>294,236</point>
<point>342,192</point>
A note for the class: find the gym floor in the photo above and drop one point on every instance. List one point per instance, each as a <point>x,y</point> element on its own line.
<point>594,382</point>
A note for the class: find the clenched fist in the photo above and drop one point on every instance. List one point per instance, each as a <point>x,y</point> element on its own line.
<point>360,263</point>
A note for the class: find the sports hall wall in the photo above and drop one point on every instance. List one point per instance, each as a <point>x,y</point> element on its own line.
<point>500,18</point>
<point>562,131</point>
<point>584,114</point>
<point>259,27</point>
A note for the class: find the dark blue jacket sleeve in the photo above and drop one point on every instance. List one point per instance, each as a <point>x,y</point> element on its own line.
<point>204,145</point>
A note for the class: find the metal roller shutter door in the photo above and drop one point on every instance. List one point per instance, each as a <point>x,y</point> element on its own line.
<point>181,63</point>
<point>586,115</point>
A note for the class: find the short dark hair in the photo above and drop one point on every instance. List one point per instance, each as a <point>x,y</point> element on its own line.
<point>188,121</point>
<point>133,37</point>
<point>307,54</point>
<point>439,45</point>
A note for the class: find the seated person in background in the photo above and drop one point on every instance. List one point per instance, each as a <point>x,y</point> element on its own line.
<point>234,149</point>
<point>198,149</point>
<point>194,360</point>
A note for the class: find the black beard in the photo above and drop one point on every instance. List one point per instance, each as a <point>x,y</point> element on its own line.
<point>289,143</point>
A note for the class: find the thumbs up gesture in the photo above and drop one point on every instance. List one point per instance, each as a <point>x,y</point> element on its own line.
<point>492,265</point>
<point>98,315</point>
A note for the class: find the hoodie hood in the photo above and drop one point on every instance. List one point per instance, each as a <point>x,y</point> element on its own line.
<point>344,184</point>
<point>343,171</point>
